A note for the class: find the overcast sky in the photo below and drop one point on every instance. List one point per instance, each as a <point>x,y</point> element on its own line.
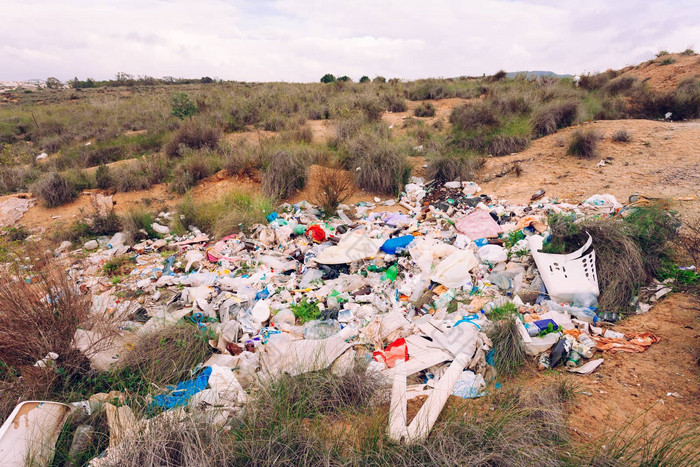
<point>270,40</point>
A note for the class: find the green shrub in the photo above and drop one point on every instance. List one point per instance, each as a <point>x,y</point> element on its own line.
<point>181,106</point>
<point>668,61</point>
<point>102,177</point>
<point>395,103</point>
<point>661,53</point>
<point>364,79</point>
<point>328,78</point>
<point>235,211</point>
<point>194,167</point>
<point>508,351</point>
<point>54,190</point>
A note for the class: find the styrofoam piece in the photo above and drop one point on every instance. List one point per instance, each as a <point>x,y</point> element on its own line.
<point>566,275</point>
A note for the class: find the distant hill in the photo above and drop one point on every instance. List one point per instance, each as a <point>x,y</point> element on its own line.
<point>536,74</point>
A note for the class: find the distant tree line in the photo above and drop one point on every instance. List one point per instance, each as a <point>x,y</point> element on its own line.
<point>125,79</point>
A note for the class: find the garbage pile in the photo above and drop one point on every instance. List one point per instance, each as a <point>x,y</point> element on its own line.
<point>405,286</point>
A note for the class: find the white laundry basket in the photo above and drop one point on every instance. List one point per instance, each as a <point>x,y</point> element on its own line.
<point>566,275</point>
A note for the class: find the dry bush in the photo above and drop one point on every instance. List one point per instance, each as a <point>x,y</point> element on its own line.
<point>621,136</point>
<point>54,190</point>
<point>194,167</point>
<point>395,103</point>
<point>284,174</point>
<point>621,84</point>
<point>584,144</point>
<point>596,81</point>
<point>39,313</point>
<point>346,128</point>
<point>303,134</point>
<point>241,159</point>
<point>192,135</point>
<point>167,356</point>
<point>335,186</point>
<point>41,308</point>
<point>449,167</point>
<point>502,145</point>
<point>554,116</point>
<point>130,177</point>
<point>380,165</point>
<point>426,109</point>
<point>469,116</point>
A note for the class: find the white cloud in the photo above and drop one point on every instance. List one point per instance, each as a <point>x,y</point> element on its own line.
<point>301,40</point>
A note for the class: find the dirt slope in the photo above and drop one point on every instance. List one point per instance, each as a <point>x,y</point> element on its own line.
<point>661,160</point>
<point>660,77</point>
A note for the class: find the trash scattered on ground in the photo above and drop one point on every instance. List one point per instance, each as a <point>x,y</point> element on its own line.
<point>413,295</point>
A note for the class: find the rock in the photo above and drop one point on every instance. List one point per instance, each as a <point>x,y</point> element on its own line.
<point>91,245</point>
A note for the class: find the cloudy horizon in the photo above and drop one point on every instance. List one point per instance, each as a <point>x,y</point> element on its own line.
<point>299,41</point>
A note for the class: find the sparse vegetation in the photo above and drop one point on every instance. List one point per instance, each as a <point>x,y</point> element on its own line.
<point>508,352</point>
<point>621,136</point>
<point>192,135</point>
<point>584,144</point>
<point>54,190</point>
<point>231,213</point>
<point>448,167</point>
<point>284,173</point>
<point>335,187</point>
<point>426,109</point>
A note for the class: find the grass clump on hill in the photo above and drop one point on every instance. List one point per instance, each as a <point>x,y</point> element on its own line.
<point>192,135</point>
<point>630,252</point>
<point>447,167</point>
<point>621,136</point>
<point>380,165</point>
<point>235,211</point>
<point>554,116</point>
<point>284,172</point>
<point>426,109</point>
<point>508,351</point>
<point>584,144</point>
<point>54,190</point>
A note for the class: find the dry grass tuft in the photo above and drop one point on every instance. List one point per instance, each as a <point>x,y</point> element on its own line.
<point>584,144</point>
<point>335,186</point>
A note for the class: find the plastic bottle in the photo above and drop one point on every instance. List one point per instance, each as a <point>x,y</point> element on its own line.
<point>585,300</point>
<point>390,246</point>
<point>445,299</point>
<point>583,314</point>
<point>81,441</point>
<point>586,340</point>
<point>319,329</point>
<point>391,273</point>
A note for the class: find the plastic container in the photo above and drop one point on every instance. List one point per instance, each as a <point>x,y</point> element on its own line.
<point>319,329</point>
<point>393,244</point>
<point>583,314</point>
<point>560,352</point>
<point>585,300</point>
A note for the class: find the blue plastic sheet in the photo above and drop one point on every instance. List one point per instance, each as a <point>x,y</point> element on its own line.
<point>181,393</point>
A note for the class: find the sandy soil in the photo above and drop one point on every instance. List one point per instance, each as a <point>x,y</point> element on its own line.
<point>661,160</point>
<point>666,77</point>
<point>658,386</point>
